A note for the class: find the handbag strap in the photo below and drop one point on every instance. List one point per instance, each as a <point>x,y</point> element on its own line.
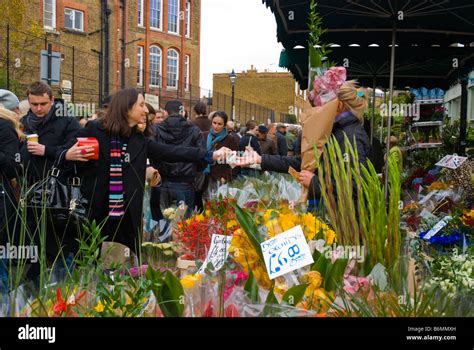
<point>76,181</point>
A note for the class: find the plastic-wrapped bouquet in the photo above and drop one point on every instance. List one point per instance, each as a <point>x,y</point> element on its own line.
<point>325,86</point>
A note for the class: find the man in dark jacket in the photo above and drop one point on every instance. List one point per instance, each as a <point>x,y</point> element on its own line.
<point>250,139</point>
<point>178,178</point>
<point>278,132</point>
<point>267,145</point>
<point>48,118</point>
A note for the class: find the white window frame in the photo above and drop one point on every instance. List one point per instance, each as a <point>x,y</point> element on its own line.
<point>140,13</point>
<point>168,86</point>
<point>187,18</point>
<point>53,15</point>
<point>177,18</point>
<point>160,65</point>
<point>140,51</point>
<point>74,19</point>
<point>160,28</point>
<point>187,65</point>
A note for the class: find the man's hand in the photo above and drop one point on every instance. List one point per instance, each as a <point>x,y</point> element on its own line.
<point>305,178</point>
<point>221,154</point>
<point>36,148</point>
<point>249,158</point>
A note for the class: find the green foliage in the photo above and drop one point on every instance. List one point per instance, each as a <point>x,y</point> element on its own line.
<point>355,204</point>
<point>248,225</point>
<point>294,295</point>
<point>251,287</point>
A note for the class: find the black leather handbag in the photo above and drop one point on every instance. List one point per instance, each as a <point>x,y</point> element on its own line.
<point>63,200</point>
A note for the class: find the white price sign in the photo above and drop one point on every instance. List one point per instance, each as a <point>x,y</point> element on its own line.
<point>286,252</point>
<point>218,252</point>
<point>451,161</point>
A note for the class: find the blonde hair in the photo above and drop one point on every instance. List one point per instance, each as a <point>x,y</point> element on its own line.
<point>12,118</point>
<point>353,98</point>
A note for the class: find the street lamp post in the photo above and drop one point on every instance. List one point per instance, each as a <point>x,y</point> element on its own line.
<point>233,78</point>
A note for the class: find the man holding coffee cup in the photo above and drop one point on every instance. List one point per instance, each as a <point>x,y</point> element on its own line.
<point>48,127</point>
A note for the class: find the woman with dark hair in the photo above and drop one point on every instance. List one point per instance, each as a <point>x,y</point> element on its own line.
<point>114,185</point>
<point>217,138</point>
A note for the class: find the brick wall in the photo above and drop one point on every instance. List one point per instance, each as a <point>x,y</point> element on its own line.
<point>275,91</point>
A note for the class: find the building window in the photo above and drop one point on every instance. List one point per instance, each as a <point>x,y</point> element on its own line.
<point>173,59</point>
<point>73,19</point>
<point>156,9</point>
<point>140,65</point>
<point>173,14</point>
<point>188,18</point>
<point>49,14</point>
<point>155,66</point>
<point>186,73</point>
<point>140,13</point>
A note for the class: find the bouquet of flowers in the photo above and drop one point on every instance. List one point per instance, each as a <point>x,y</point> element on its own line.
<point>325,86</point>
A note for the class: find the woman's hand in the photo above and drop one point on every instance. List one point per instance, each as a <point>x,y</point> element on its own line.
<point>79,154</point>
<point>153,176</point>
<point>305,178</point>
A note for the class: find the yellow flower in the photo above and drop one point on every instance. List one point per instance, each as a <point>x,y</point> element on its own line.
<point>231,223</point>
<point>207,213</point>
<point>287,221</point>
<point>330,237</point>
<point>437,185</point>
<point>314,278</point>
<point>199,218</point>
<point>268,214</point>
<point>99,307</point>
<point>190,281</point>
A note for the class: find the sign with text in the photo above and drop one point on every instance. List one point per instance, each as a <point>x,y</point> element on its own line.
<point>286,252</point>
<point>438,227</point>
<point>218,252</point>
<point>451,161</point>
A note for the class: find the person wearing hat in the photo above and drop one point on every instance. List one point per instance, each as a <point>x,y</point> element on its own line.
<point>9,101</point>
<point>278,131</point>
<point>267,145</point>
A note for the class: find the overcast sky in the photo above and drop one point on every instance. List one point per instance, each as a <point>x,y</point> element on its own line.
<point>237,34</point>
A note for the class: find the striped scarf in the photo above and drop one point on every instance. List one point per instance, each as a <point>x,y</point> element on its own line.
<point>116,196</point>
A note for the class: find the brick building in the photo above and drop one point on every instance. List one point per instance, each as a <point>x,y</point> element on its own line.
<point>273,94</point>
<point>153,45</point>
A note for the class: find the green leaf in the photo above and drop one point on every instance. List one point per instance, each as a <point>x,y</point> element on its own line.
<point>171,296</point>
<point>320,264</point>
<point>294,295</point>
<point>271,300</point>
<point>251,287</point>
<point>248,225</point>
<point>335,275</point>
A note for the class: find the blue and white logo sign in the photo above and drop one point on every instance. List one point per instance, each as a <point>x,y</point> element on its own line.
<point>286,252</point>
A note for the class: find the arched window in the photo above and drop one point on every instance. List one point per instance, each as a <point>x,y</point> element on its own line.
<point>155,66</point>
<point>173,68</point>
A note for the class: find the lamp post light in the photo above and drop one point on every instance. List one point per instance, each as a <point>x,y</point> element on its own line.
<point>233,78</point>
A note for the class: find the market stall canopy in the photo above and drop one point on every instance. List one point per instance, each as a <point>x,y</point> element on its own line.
<point>421,22</point>
<point>416,67</point>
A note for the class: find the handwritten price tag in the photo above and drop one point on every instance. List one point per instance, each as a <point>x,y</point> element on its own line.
<point>451,161</point>
<point>286,252</point>
<point>218,252</point>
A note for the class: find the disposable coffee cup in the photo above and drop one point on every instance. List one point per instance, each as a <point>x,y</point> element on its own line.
<point>32,137</point>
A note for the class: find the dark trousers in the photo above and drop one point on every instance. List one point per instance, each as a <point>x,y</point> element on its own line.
<point>176,193</point>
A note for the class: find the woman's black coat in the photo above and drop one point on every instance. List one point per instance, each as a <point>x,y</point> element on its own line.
<point>349,126</point>
<point>9,168</point>
<point>95,179</point>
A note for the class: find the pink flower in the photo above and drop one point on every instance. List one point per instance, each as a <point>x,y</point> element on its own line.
<point>325,86</point>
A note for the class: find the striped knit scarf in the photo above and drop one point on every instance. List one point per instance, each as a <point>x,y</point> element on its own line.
<point>116,196</point>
